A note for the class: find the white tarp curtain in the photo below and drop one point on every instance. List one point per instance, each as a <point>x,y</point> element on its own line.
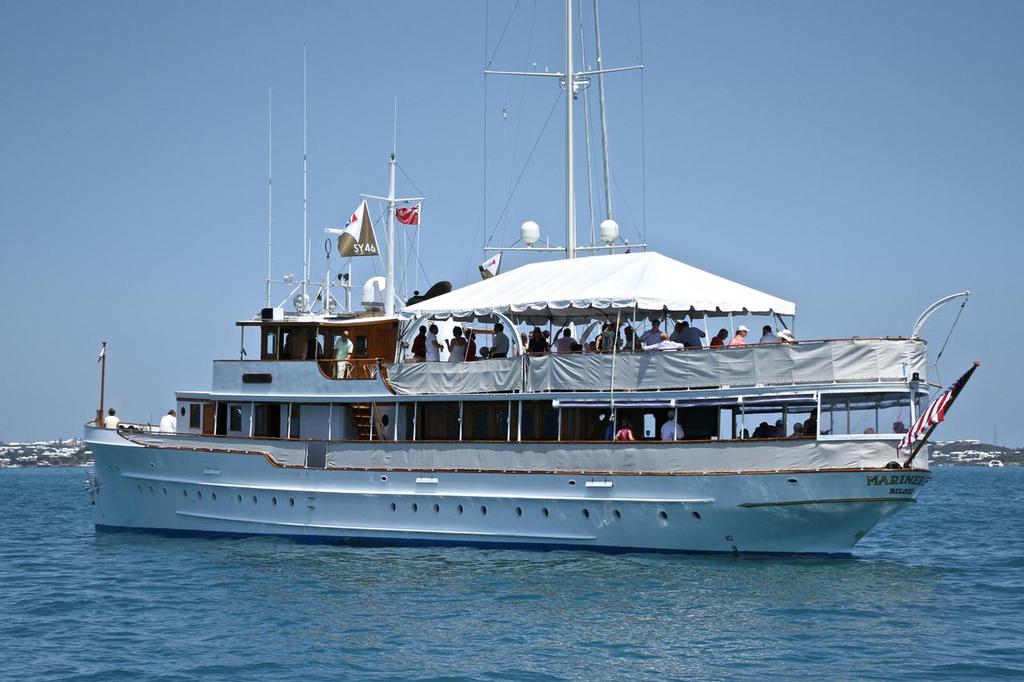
<point>487,376</point>
<point>600,286</point>
<point>608,457</point>
<point>783,364</point>
<point>805,363</point>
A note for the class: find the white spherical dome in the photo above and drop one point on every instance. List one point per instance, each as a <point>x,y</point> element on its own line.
<point>530,232</point>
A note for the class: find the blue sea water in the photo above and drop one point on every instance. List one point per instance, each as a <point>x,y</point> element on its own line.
<point>936,592</point>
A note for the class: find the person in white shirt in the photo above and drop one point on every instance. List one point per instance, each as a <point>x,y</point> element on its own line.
<point>111,421</point>
<point>169,422</point>
<point>565,342</point>
<point>767,336</point>
<point>499,342</point>
<point>671,430</point>
<point>433,346</point>
<point>665,344</point>
<point>342,351</point>
<point>652,335</point>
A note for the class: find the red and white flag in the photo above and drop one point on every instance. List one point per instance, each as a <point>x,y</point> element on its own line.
<point>935,413</point>
<point>408,215</point>
<point>490,267</point>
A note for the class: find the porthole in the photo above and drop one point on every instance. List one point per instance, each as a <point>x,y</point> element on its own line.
<point>545,511</point>
<point>254,500</point>
<point>184,493</point>
<point>572,482</point>
<point>165,490</point>
<point>393,506</point>
<point>415,507</point>
<point>696,515</point>
<point>139,486</point>
<point>437,508</point>
<point>239,499</point>
<point>586,513</point>
<point>291,501</point>
<point>663,515</point>
<point>183,412</point>
<point>460,508</point>
<point>199,494</point>
<point>617,514</point>
<point>790,480</point>
<point>483,510</point>
<point>519,511</point>
<point>213,496</point>
<point>385,420</point>
<point>383,477</point>
<point>273,501</point>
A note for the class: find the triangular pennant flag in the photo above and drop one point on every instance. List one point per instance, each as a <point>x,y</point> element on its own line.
<point>490,267</point>
<point>358,238</point>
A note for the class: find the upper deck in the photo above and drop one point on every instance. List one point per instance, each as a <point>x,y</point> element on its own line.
<point>763,367</point>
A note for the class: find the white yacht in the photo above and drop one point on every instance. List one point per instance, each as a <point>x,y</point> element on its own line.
<point>782,447</point>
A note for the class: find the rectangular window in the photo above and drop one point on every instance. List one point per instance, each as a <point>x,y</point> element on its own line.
<point>268,345</point>
<point>540,421</point>
<point>295,420</point>
<point>235,418</point>
<point>853,414</point>
<point>195,416</point>
<point>267,420</point>
<point>438,421</point>
<point>485,420</point>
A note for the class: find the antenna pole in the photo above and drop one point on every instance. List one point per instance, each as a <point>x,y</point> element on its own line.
<point>389,271</point>
<point>570,181</point>
<point>103,382</point>
<point>604,119</point>
<point>270,189</point>
<point>305,182</point>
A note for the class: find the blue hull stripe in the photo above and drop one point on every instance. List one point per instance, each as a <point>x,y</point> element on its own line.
<point>362,541</point>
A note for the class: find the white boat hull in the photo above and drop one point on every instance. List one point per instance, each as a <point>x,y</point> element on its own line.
<point>215,493</point>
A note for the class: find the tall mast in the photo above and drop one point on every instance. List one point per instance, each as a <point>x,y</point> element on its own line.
<point>570,181</point>
<point>389,272</point>
<point>604,120</point>
<point>389,263</point>
<point>270,190</point>
<point>305,185</point>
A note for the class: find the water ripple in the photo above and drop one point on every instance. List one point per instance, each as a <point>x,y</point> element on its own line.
<point>934,593</point>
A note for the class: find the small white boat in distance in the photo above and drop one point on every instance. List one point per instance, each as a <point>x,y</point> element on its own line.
<point>995,462</point>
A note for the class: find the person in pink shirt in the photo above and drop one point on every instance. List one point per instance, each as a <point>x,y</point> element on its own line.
<point>740,338</point>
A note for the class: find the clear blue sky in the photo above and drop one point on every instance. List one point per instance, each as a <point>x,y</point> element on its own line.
<point>861,159</point>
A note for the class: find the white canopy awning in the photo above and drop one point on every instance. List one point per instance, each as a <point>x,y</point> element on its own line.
<point>600,286</point>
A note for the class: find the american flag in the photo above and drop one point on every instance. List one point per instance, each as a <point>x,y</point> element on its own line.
<point>936,412</point>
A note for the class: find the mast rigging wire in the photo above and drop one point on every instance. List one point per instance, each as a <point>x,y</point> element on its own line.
<point>526,164</point>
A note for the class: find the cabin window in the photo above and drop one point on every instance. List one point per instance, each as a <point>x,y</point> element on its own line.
<point>540,421</point>
<point>485,420</point>
<point>195,416</point>
<point>850,414</point>
<point>437,421</point>
<point>266,421</point>
<point>221,422</point>
<point>235,418</point>
<point>361,346</point>
<point>294,420</point>
<point>268,343</point>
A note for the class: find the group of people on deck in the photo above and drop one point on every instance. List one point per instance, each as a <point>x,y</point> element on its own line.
<point>462,347</point>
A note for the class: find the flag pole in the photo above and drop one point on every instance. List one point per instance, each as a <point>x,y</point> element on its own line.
<point>952,399</point>
<point>103,381</point>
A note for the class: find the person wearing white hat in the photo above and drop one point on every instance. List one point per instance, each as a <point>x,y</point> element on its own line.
<point>740,339</point>
<point>786,336</point>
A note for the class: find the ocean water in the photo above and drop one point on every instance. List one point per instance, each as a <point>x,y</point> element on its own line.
<point>936,592</point>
